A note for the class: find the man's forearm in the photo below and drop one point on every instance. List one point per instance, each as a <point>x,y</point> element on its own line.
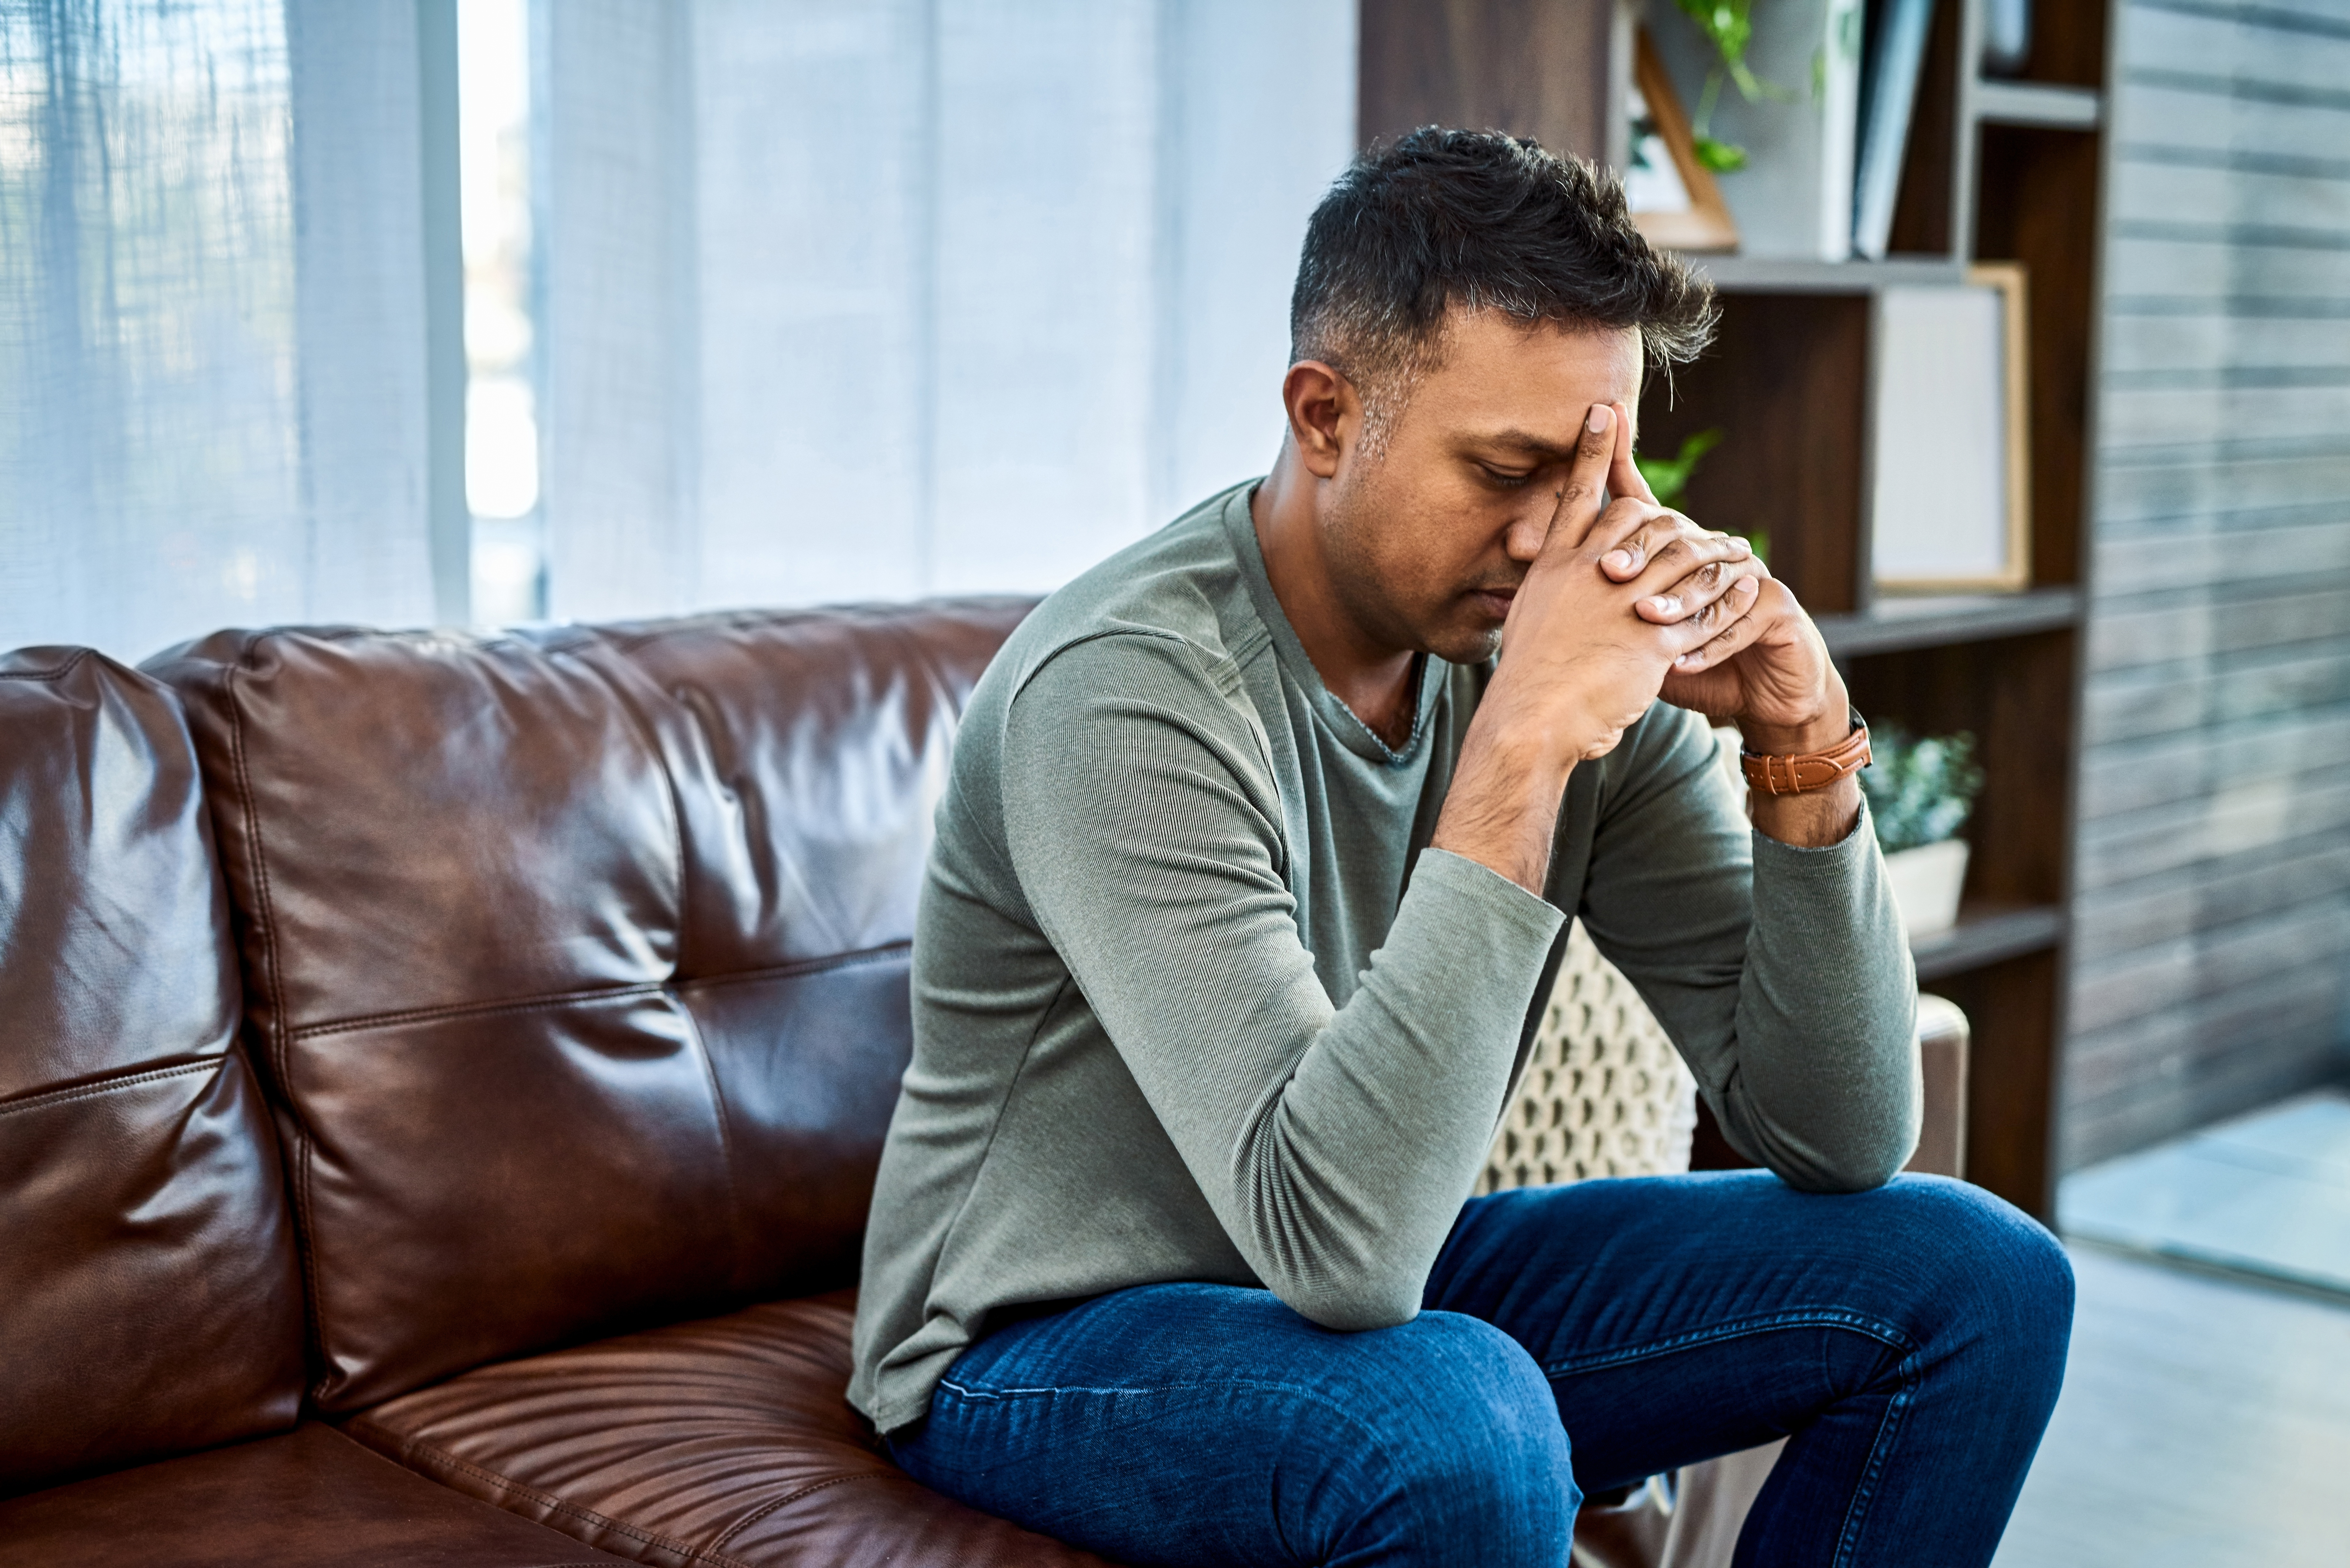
<point>1502,807</point>
<point>1813,820</point>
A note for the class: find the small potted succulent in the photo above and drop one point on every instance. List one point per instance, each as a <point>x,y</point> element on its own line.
<point>1920,792</point>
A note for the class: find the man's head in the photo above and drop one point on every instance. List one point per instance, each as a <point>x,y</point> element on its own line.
<point>1463,299</point>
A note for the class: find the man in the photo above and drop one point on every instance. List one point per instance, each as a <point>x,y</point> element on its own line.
<point>1254,861</point>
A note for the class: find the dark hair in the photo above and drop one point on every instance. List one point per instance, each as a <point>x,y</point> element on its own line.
<point>1486,222</point>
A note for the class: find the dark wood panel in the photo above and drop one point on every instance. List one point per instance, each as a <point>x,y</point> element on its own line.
<point>2014,695</point>
<point>1891,625</point>
<point>1925,208</point>
<point>1787,383</point>
<point>2068,43</point>
<point>2039,206</point>
<point>1532,68</point>
<point>2237,1054</point>
<point>2011,1089</point>
<point>1986,934</point>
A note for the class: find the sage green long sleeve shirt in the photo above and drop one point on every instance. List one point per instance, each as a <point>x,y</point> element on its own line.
<point>1193,1000</point>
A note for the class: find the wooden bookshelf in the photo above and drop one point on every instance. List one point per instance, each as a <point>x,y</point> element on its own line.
<point>1994,171</point>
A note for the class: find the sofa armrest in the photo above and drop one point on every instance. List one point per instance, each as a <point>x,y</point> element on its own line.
<point>1942,1041</point>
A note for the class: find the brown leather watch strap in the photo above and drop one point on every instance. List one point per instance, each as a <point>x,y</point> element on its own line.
<point>1814,770</point>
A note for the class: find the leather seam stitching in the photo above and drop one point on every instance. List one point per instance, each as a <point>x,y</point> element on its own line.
<point>279,1047</point>
<point>48,1098</point>
<point>439,1456</point>
<point>58,673</point>
<point>797,967</point>
<point>763,1510</point>
<point>577,998</point>
<point>480,1009</point>
<point>738,1223</point>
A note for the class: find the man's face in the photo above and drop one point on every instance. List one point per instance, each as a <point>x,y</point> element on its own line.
<point>1429,540</point>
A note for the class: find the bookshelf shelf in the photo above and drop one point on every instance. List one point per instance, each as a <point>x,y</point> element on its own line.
<point>1746,275</point>
<point>2039,104</point>
<point>1893,625</point>
<point>1987,934</point>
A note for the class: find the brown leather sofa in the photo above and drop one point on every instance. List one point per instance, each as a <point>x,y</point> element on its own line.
<point>441,1087</point>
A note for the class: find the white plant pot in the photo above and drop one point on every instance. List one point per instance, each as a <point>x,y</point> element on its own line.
<point>1925,882</point>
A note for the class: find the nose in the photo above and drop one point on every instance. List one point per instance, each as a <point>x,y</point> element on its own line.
<point>1522,539</point>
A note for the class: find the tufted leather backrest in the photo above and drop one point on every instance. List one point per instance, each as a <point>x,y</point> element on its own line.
<point>148,1298</point>
<point>577,960</point>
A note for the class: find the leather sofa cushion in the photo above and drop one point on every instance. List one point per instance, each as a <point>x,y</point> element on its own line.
<point>150,1299</point>
<point>579,958</point>
<point>725,1442</point>
<point>308,1497</point>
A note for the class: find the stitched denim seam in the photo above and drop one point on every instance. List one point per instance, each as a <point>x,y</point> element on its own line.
<point>1879,1447</point>
<point>1887,1429</point>
<point>1006,1396</point>
<point>1802,1317</point>
<point>1342,1414</point>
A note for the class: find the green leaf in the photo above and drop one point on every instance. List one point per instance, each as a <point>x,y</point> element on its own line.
<point>1920,790</point>
<point>1667,477</point>
<point>1719,156</point>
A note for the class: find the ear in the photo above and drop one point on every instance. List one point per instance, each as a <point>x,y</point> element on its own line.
<point>1325,414</point>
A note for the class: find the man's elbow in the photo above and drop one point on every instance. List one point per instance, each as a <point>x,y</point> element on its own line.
<point>1854,1165</point>
<point>1365,1299</point>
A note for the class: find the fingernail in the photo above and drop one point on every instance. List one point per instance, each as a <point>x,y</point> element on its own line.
<point>1621,560</point>
<point>1598,419</point>
<point>1683,661</point>
<point>1664,604</point>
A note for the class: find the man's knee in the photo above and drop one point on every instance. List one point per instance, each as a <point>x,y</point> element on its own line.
<point>1470,1449</point>
<point>1990,1264</point>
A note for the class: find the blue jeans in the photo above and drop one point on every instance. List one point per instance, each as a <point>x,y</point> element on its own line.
<point>1909,1342</point>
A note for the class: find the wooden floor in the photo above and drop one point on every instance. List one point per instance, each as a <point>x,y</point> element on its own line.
<point>2205,1424</point>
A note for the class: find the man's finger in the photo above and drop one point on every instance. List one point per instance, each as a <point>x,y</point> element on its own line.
<point>1692,593</point>
<point>1685,557</point>
<point>1624,475</point>
<point>1655,536</point>
<point>1586,479</point>
<point>1728,625</point>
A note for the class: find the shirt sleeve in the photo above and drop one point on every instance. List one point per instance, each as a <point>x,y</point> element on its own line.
<point>1780,973</point>
<point>1335,1146</point>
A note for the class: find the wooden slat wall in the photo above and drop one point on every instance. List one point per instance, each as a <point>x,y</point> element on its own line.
<point>2212,884</point>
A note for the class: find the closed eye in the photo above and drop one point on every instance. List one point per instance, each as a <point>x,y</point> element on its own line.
<point>1505,479</point>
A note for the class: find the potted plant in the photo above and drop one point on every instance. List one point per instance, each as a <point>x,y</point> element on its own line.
<point>1921,792</point>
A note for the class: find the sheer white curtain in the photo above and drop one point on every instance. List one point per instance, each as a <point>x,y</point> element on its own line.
<point>869,299</point>
<point>211,348</point>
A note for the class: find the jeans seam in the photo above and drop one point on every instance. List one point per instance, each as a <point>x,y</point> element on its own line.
<point>1802,1317</point>
<point>1341,1412</point>
<point>1289,1390</point>
<point>1887,1430</point>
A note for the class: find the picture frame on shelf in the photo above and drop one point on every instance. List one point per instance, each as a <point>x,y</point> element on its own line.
<point>1951,494</point>
<point>1674,199</point>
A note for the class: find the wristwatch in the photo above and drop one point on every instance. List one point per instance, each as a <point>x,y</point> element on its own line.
<point>1812,770</point>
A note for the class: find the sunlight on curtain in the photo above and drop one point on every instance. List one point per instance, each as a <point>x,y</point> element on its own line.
<point>872,298</point>
<point>211,342</point>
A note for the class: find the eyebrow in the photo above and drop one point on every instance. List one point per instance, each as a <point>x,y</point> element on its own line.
<point>1531,444</point>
